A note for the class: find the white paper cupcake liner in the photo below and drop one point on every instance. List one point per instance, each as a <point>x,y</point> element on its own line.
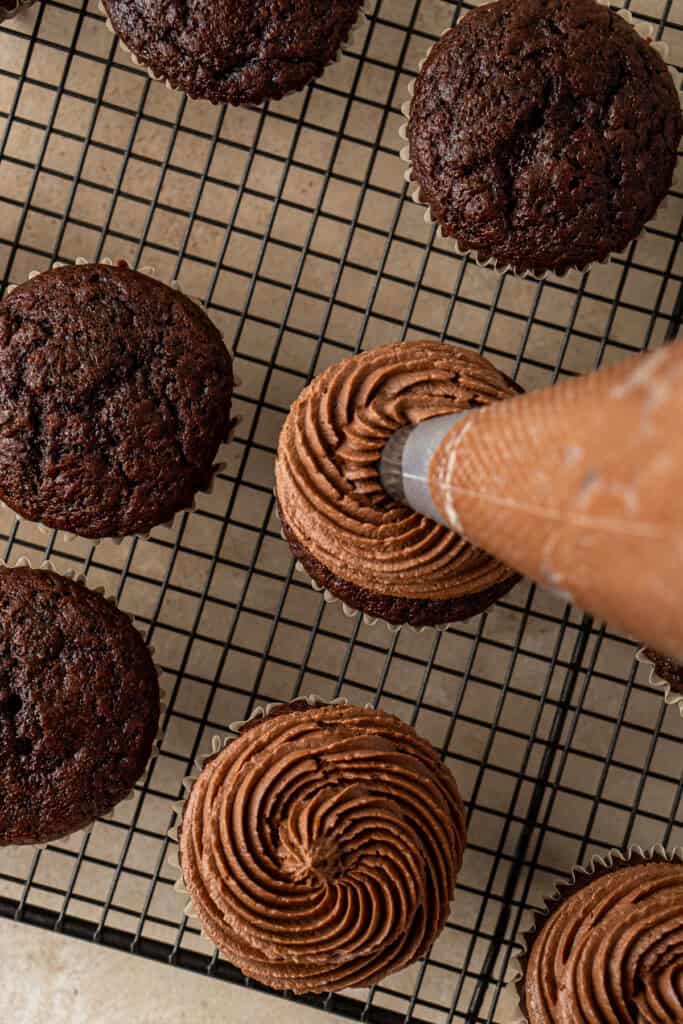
<point>19,6</point>
<point>350,42</point>
<point>218,466</point>
<point>671,698</point>
<point>217,744</point>
<point>578,878</point>
<point>73,574</point>
<point>353,613</point>
<point>643,29</point>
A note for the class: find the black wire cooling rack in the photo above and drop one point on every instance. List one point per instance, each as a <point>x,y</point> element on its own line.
<point>292,222</point>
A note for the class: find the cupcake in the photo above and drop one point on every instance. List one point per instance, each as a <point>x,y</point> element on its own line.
<point>79,706</point>
<point>665,674</point>
<point>115,396</point>
<point>542,134</point>
<point>374,554</point>
<point>234,53</point>
<point>667,669</point>
<point>611,946</point>
<point>320,848</point>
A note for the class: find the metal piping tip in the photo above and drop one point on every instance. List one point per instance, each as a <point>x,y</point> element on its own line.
<point>404,464</point>
<point>391,464</point>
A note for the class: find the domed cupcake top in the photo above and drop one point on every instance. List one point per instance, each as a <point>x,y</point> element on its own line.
<point>229,51</point>
<point>544,133</point>
<point>320,849</point>
<point>79,706</point>
<point>327,471</point>
<point>612,951</point>
<point>115,396</point>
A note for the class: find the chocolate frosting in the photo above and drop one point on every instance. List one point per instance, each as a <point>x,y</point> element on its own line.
<point>612,953</point>
<point>320,849</point>
<point>327,469</point>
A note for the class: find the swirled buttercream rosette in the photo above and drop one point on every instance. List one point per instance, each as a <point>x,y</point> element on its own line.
<point>320,848</point>
<point>357,544</point>
<point>608,945</point>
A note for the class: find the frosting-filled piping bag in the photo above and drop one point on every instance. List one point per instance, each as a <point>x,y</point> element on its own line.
<point>578,486</point>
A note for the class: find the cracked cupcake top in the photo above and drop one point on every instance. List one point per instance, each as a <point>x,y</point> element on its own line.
<point>228,51</point>
<point>114,399</point>
<point>79,706</point>
<point>544,134</point>
<point>320,849</point>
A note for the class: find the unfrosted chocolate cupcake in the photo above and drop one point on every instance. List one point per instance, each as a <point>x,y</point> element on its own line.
<point>229,52</point>
<point>350,536</point>
<point>667,669</point>
<point>611,948</point>
<point>115,395</point>
<point>320,849</point>
<point>543,134</point>
<point>79,706</point>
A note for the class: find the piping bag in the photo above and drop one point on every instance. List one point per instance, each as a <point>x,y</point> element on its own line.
<point>579,487</point>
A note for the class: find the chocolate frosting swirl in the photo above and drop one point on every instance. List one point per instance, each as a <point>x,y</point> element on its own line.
<point>327,469</point>
<point>320,849</point>
<point>612,953</point>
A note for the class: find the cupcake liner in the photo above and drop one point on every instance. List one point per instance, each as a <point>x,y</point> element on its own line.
<point>217,745</point>
<point>350,41</point>
<point>368,620</point>
<point>218,466</point>
<point>73,574</point>
<point>671,698</point>
<point>353,613</point>
<point>579,877</point>
<point>18,7</point>
<point>643,29</point>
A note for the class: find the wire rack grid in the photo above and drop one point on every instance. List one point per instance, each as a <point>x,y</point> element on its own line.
<point>293,223</point>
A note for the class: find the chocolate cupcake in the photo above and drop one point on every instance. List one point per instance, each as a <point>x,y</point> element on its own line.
<point>350,536</point>
<point>320,849</point>
<point>115,396</point>
<point>665,674</point>
<point>667,669</point>
<point>234,53</point>
<point>79,706</point>
<point>543,135</point>
<point>611,946</point>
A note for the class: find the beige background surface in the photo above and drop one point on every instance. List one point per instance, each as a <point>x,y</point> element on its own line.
<point>63,981</point>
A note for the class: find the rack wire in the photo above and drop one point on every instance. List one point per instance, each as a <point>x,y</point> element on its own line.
<point>292,222</point>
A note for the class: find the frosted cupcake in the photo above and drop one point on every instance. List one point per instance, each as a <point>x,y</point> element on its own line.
<point>354,541</point>
<point>320,849</point>
<point>611,946</point>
